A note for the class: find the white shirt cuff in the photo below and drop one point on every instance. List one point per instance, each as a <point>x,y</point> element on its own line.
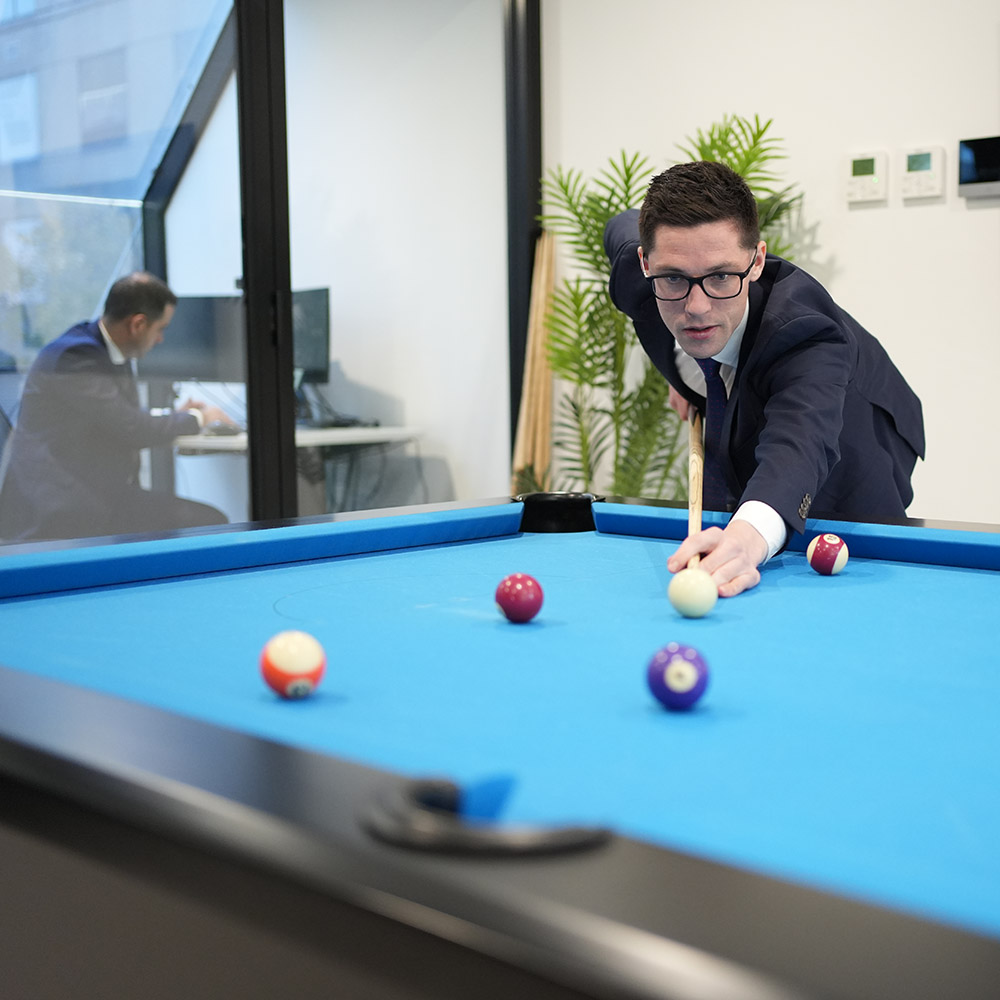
<point>201,420</point>
<point>767,521</point>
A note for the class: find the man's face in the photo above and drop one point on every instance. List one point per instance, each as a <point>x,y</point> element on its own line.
<point>145,333</point>
<point>702,325</point>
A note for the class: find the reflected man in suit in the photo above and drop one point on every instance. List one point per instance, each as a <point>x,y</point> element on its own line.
<point>73,468</point>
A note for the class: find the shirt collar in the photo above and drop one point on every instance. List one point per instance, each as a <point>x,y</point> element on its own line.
<point>730,354</point>
<point>114,351</point>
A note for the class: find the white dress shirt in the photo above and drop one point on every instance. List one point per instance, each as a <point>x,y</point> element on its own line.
<point>117,358</point>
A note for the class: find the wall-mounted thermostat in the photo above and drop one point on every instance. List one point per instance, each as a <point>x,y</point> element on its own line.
<point>868,178</point>
<point>922,172</point>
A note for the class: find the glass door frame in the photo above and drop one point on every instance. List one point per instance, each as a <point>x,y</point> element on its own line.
<point>252,43</point>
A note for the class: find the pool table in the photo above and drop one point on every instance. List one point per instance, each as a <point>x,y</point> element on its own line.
<point>471,807</point>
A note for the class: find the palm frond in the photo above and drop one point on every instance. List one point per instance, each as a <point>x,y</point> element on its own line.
<point>578,211</point>
<point>624,182</point>
<point>651,434</point>
<point>568,211</point>
<point>529,480</point>
<point>576,345</point>
<point>584,441</point>
<point>746,146</point>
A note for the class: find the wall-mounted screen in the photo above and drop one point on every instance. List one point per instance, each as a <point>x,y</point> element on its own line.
<point>205,339</point>
<point>311,324</point>
<point>979,167</point>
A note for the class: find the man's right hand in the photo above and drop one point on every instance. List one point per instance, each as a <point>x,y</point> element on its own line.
<point>214,415</point>
<point>731,555</point>
<point>209,414</point>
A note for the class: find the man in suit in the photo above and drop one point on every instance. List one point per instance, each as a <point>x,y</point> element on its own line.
<point>805,411</point>
<point>73,468</point>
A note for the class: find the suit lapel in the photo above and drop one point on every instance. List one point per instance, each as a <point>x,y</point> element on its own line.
<point>122,374</point>
<point>757,301</point>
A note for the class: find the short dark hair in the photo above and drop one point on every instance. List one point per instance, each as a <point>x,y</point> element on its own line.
<point>690,194</point>
<point>140,292</point>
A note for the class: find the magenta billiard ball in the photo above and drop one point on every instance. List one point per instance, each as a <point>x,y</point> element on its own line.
<point>519,597</point>
<point>677,675</point>
<point>827,554</point>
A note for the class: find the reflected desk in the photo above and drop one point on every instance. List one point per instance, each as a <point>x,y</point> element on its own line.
<point>305,437</point>
<point>824,823</point>
<point>330,443</point>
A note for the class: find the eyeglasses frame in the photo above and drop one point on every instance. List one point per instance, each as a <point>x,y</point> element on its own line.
<point>700,282</point>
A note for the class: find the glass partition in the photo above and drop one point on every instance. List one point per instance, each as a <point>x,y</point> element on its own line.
<point>96,102</point>
<point>398,205</point>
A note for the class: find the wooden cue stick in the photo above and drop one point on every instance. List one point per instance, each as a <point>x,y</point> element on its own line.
<point>696,476</point>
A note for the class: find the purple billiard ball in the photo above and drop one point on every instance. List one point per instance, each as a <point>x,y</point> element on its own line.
<point>677,675</point>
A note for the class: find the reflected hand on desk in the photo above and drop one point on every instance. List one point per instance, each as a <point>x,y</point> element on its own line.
<point>212,417</point>
<point>219,428</point>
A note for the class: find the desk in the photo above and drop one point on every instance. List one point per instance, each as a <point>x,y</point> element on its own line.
<point>335,492</point>
<point>823,824</point>
<point>305,437</point>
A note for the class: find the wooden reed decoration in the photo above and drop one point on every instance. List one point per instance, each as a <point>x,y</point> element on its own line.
<point>533,439</point>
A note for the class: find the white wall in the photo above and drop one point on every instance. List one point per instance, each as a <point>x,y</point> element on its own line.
<point>837,79</point>
<point>397,180</point>
<point>203,221</point>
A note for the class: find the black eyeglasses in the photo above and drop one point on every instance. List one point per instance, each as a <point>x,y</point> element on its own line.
<point>723,285</point>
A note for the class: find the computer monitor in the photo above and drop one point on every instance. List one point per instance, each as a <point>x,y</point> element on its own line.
<point>205,341</point>
<point>311,328</point>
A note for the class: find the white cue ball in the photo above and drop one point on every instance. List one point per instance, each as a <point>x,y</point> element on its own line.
<point>693,592</point>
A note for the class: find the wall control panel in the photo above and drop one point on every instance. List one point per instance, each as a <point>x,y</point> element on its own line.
<point>922,172</point>
<point>867,177</point>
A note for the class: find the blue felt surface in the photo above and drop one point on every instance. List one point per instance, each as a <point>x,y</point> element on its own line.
<point>849,738</point>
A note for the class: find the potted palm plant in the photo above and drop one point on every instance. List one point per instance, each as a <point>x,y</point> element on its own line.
<point>613,429</point>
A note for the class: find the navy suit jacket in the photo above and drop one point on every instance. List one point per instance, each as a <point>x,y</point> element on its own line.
<point>819,420</point>
<point>74,454</point>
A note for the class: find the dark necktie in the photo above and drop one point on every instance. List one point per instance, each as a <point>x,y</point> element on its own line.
<point>126,381</point>
<point>130,393</point>
<point>715,494</point>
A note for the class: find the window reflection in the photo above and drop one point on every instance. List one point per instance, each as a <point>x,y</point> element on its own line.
<point>88,106</point>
